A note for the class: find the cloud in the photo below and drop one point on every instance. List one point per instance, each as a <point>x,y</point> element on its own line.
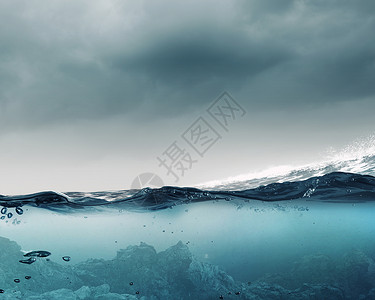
<point>66,61</point>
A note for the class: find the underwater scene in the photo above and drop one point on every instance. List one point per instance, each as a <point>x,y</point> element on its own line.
<point>287,236</point>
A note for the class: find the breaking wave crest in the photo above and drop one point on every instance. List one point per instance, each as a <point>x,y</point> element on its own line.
<point>358,157</point>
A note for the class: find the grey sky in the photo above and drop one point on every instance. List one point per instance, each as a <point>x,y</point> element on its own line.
<point>92,91</point>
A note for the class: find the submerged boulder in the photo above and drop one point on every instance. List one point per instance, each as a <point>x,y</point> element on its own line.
<point>65,294</point>
<point>211,279</point>
<point>170,274</point>
<point>357,272</point>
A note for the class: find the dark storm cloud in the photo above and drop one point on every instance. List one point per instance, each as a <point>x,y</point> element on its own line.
<point>61,61</point>
<point>196,64</point>
<point>197,54</point>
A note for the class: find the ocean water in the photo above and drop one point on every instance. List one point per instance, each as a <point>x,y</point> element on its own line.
<point>305,234</point>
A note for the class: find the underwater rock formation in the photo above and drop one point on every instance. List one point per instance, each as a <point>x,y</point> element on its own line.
<point>139,272</point>
<point>170,274</point>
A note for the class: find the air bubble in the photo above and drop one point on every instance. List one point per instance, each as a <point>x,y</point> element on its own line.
<point>19,210</point>
<point>17,280</point>
<point>28,261</point>
<point>38,253</point>
<point>27,277</point>
<point>4,210</point>
<point>66,258</point>
<point>9,215</point>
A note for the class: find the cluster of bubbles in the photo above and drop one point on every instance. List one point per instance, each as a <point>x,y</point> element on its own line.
<point>31,258</point>
<point>17,280</point>
<point>5,213</point>
<point>39,253</point>
<point>33,255</point>
<point>203,195</point>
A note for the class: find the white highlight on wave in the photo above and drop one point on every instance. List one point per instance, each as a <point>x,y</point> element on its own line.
<point>358,157</point>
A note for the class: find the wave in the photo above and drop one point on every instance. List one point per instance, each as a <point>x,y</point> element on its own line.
<point>332,187</point>
<point>358,157</point>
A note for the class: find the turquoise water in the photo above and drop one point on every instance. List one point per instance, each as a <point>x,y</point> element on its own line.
<point>210,250</point>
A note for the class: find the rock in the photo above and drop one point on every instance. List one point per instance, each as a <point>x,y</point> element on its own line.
<point>83,293</point>
<point>65,294</point>
<point>263,290</point>
<point>11,295</point>
<point>100,290</point>
<point>9,250</point>
<point>356,273</point>
<point>170,274</point>
<point>140,256</point>
<point>112,296</point>
<point>206,277</point>
<point>175,260</point>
